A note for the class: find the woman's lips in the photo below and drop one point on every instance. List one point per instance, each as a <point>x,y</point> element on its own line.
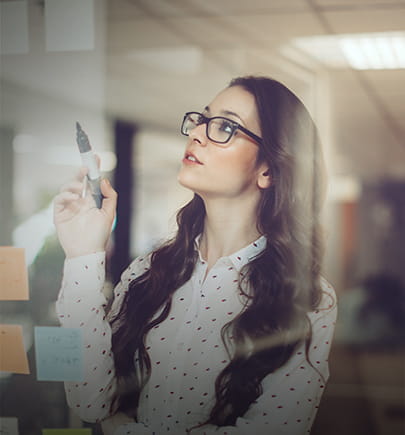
<point>190,158</point>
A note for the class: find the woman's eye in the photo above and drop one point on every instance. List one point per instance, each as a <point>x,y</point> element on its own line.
<point>199,120</point>
<point>226,127</point>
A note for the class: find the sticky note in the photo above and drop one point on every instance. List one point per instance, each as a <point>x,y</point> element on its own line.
<point>84,431</point>
<point>8,426</point>
<point>69,25</point>
<point>58,353</point>
<point>14,27</point>
<point>13,274</point>
<point>13,357</point>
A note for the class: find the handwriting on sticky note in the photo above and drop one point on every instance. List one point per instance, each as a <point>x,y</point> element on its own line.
<point>83,431</point>
<point>8,426</point>
<point>58,353</point>
<point>13,357</point>
<point>13,274</point>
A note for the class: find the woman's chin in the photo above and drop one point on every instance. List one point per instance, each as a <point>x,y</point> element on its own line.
<point>188,184</point>
<point>186,181</point>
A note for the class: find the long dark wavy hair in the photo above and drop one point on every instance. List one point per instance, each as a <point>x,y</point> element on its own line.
<point>281,285</point>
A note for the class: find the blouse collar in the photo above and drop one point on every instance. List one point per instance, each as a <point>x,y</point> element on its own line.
<point>241,257</point>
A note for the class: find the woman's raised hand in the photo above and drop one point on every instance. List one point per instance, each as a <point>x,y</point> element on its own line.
<point>82,228</point>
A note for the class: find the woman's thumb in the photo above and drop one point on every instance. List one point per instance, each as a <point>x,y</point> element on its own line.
<point>110,197</point>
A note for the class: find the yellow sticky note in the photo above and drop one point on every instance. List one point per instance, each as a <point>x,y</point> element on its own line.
<point>13,357</point>
<point>86,431</point>
<point>13,274</point>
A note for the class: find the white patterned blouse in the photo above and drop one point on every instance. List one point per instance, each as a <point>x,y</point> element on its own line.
<point>187,353</point>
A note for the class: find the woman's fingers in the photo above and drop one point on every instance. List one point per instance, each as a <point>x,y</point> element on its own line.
<point>82,228</point>
<point>98,160</point>
<point>65,202</point>
<point>110,198</point>
<point>65,196</point>
<point>81,173</point>
<point>72,186</point>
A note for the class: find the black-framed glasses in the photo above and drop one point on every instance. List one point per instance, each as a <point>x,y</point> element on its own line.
<point>218,129</point>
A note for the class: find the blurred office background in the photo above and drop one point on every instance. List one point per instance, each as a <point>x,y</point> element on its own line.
<point>127,70</point>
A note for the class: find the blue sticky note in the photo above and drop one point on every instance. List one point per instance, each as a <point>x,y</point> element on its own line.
<point>69,25</point>
<point>8,426</point>
<point>14,34</point>
<point>58,353</point>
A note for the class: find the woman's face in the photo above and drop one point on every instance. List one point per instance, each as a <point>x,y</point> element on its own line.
<point>230,170</point>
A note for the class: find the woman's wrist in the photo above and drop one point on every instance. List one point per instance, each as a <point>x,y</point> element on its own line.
<point>82,253</point>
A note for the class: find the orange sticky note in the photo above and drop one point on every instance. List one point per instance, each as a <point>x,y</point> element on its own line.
<point>13,274</point>
<point>13,357</point>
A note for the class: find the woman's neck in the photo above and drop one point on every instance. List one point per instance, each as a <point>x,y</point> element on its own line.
<point>228,227</point>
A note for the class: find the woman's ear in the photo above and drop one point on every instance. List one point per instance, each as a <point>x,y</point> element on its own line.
<point>264,178</point>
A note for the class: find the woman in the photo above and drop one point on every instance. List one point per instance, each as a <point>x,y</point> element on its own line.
<point>226,328</point>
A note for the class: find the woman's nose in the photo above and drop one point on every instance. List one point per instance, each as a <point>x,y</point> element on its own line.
<point>199,134</point>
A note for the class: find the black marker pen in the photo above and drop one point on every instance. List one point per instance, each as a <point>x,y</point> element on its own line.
<point>89,160</point>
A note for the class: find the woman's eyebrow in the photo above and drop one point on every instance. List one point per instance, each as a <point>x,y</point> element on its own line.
<point>224,113</point>
<point>230,113</point>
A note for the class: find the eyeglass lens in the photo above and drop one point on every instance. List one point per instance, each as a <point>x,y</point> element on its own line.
<point>219,129</point>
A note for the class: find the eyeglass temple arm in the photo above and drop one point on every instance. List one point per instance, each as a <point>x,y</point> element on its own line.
<point>251,134</point>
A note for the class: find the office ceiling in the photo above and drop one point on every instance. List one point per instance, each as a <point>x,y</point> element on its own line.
<point>164,57</point>
<point>159,58</point>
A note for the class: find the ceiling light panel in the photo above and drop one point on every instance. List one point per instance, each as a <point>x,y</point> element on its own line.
<point>363,51</point>
<point>374,51</point>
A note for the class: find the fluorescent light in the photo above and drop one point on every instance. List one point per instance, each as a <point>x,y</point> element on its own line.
<point>398,44</point>
<point>383,50</point>
<point>374,51</point>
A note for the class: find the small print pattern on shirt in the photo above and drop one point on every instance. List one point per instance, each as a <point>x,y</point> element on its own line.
<point>187,353</point>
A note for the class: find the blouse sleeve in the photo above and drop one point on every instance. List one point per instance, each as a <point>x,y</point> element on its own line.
<point>81,304</point>
<point>291,395</point>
